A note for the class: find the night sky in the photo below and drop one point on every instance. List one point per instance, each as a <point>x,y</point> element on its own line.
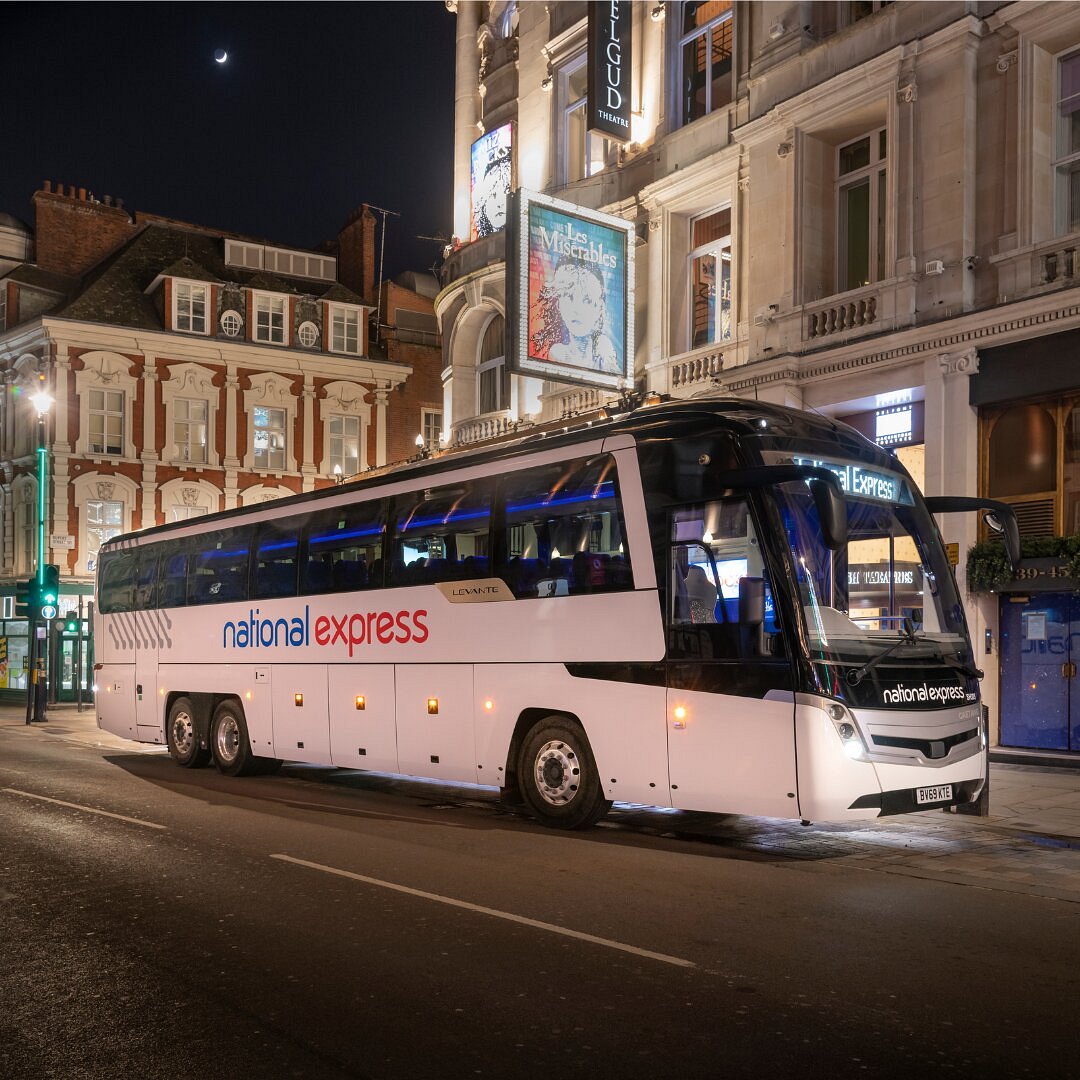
<point>319,108</point>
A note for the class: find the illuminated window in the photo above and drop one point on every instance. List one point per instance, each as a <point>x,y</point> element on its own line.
<point>270,319</point>
<point>189,430</point>
<point>106,422</point>
<point>345,444</point>
<point>189,307</point>
<point>710,278</point>
<point>184,513</point>
<point>705,52</point>
<point>270,440</point>
<point>583,154</point>
<point>104,520</point>
<point>491,377</point>
<point>345,330</point>
<point>860,195</point>
<point>431,428</point>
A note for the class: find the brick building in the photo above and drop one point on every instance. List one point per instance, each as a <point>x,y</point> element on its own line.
<point>192,371</point>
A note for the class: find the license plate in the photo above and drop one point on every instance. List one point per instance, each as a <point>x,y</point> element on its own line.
<point>941,793</point>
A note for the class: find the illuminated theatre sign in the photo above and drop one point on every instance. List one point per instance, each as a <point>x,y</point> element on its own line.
<point>609,58</point>
<point>571,303</point>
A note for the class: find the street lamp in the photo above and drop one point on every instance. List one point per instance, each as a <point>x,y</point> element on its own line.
<point>42,401</point>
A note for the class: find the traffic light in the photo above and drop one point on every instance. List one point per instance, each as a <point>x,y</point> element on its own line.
<point>25,598</point>
<point>50,584</point>
<point>71,625</point>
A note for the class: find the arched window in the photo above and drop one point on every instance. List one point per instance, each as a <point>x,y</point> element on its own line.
<point>1023,452</point>
<point>492,384</point>
<point>1023,456</point>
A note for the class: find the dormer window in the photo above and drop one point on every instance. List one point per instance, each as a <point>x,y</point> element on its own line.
<point>270,318</point>
<point>190,302</point>
<point>345,329</point>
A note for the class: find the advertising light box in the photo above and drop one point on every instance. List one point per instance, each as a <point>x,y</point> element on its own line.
<point>490,181</point>
<point>570,279</point>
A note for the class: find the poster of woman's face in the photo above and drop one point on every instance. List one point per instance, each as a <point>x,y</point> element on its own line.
<point>491,181</point>
<point>576,296</point>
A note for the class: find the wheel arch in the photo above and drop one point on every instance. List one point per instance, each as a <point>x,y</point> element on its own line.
<point>203,707</point>
<point>526,721</point>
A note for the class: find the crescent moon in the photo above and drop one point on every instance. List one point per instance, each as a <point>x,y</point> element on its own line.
<point>221,56</point>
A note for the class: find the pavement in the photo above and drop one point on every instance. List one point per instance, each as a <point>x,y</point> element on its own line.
<point>1032,800</point>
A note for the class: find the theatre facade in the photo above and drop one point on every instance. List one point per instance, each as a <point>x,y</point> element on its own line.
<point>868,210</point>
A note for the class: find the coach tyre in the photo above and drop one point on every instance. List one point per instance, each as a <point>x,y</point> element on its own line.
<point>229,739</point>
<point>182,737</point>
<point>558,776</point>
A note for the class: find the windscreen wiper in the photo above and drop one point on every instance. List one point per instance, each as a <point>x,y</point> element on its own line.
<point>907,637</point>
<point>970,670</point>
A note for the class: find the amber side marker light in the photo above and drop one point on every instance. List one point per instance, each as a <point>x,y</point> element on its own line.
<point>432,705</point>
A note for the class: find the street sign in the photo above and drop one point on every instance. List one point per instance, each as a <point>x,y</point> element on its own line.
<point>48,611</point>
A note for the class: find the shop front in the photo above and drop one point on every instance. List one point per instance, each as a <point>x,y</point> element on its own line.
<point>1040,653</point>
<point>69,644</point>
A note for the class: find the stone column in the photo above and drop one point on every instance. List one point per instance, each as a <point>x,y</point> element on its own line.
<point>149,452</point>
<point>231,456</point>
<point>308,470</point>
<point>952,468</point>
<point>381,403</point>
<point>466,106</point>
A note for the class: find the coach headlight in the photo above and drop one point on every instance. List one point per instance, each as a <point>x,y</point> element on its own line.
<point>846,728</point>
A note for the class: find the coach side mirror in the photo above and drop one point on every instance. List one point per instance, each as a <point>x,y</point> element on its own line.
<point>751,601</point>
<point>825,490</point>
<point>832,513</point>
<point>1006,525</point>
<point>999,516</point>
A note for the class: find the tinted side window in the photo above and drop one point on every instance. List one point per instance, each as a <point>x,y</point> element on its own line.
<point>116,584</point>
<point>218,567</point>
<point>172,574</point>
<point>146,582</point>
<point>441,534</point>
<point>277,559</point>
<point>344,549</point>
<point>564,530</point>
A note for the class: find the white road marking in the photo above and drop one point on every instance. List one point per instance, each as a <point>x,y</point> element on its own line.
<point>88,809</point>
<point>494,912</point>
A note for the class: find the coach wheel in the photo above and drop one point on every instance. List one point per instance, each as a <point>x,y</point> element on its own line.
<point>558,776</point>
<point>182,736</point>
<point>229,739</point>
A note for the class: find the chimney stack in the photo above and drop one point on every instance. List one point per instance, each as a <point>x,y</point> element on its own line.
<point>73,232</point>
<point>356,254</point>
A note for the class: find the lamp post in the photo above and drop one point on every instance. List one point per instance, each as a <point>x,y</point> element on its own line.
<point>42,401</point>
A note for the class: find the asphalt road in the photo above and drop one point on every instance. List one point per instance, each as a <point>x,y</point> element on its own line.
<point>157,922</point>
